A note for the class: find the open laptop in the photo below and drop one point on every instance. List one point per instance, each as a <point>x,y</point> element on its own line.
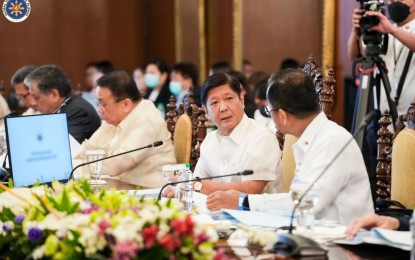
<point>38,148</point>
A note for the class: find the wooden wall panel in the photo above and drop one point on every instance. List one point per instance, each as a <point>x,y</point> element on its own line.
<point>219,31</point>
<point>274,30</point>
<point>71,33</point>
<point>190,31</point>
<point>159,42</point>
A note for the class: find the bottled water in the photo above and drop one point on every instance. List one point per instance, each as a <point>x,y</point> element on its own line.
<point>184,191</point>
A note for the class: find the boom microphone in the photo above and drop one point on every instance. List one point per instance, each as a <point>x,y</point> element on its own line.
<point>155,144</point>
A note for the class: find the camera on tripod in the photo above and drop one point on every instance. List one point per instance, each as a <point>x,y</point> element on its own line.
<point>376,42</point>
<point>369,21</point>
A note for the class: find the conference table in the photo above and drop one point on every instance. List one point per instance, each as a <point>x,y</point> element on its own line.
<point>336,252</point>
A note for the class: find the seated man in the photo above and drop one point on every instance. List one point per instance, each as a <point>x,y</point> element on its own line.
<point>238,144</point>
<point>130,123</point>
<point>344,192</point>
<point>22,91</point>
<point>52,93</point>
<point>373,220</point>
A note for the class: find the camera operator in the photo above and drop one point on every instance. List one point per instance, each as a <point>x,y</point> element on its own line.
<point>401,43</point>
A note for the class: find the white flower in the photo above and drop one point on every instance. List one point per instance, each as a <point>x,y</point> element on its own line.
<point>91,241</point>
<point>127,229</point>
<point>39,252</point>
<point>163,229</point>
<point>51,222</point>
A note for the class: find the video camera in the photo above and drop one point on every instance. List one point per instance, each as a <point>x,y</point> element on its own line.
<point>368,21</point>
<point>376,42</point>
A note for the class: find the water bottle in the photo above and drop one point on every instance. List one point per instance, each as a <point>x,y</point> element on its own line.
<point>412,229</point>
<point>184,191</point>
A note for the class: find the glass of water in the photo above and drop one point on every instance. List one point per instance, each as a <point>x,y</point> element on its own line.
<point>95,168</point>
<point>305,208</point>
<point>3,143</point>
<point>171,172</point>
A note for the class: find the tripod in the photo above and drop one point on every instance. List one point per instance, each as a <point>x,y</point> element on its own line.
<point>367,82</point>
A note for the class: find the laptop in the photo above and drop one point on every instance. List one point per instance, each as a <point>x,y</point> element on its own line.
<point>38,149</point>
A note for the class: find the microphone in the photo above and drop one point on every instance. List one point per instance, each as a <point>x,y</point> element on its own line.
<point>155,144</point>
<point>294,245</point>
<point>244,173</point>
<point>65,103</point>
<point>12,113</point>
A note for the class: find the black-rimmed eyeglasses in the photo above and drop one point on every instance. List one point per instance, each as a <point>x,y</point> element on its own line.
<point>268,110</point>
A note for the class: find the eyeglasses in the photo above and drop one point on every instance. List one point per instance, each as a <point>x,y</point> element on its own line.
<point>268,110</point>
<point>104,106</point>
<point>22,97</point>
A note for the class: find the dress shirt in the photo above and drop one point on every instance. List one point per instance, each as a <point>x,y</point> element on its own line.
<point>395,60</point>
<point>30,111</point>
<point>344,191</point>
<point>4,111</point>
<point>250,146</point>
<point>143,126</point>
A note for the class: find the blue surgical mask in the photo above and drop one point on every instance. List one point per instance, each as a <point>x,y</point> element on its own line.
<point>151,80</point>
<point>175,87</point>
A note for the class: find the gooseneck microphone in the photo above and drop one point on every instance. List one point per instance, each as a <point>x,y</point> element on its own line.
<point>290,244</point>
<point>155,144</point>
<point>244,173</point>
<point>65,103</point>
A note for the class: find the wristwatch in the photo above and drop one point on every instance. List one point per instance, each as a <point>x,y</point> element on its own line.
<point>197,186</point>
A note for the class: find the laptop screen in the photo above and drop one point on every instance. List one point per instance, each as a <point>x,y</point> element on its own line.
<point>38,148</point>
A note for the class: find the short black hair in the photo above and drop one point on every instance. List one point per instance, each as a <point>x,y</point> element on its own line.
<point>221,67</point>
<point>217,80</point>
<point>293,90</point>
<point>187,70</point>
<point>104,66</point>
<point>289,63</point>
<point>261,89</point>
<point>120,84</point>
<point>160,64</point>
<point>21,74</point>
<point>48,77</point>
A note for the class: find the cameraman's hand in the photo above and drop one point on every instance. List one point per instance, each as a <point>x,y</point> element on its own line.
<point>357,15</point>
<point>384,26</point>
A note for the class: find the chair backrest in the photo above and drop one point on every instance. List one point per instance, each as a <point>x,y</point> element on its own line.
<point>325,88</point>
<point>288,161</point>
<point>387,168</point>
<point>403,168</point>
<point>183,139</point>
<point>196,118</point>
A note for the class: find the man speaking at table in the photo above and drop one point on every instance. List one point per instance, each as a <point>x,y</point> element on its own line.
<point>130,123</point>
<point>343,190</point>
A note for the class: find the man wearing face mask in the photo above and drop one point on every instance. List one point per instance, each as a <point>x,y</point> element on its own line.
<point>183,76</point>
<point>400,46</point>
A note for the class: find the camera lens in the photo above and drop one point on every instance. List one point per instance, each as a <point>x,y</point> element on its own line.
<point>367,22</point>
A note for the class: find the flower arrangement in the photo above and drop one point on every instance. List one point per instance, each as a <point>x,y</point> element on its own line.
<point>73,222</point>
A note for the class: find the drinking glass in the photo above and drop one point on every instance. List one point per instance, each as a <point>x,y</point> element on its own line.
<point>171,172</point>
<point>305,208</point>
<point>3,143</point>
<point>95,168</point>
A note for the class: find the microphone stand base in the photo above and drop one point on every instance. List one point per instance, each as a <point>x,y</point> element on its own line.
<point>297,245</point>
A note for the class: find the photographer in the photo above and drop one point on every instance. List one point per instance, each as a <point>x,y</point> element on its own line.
<point>401,43</point>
